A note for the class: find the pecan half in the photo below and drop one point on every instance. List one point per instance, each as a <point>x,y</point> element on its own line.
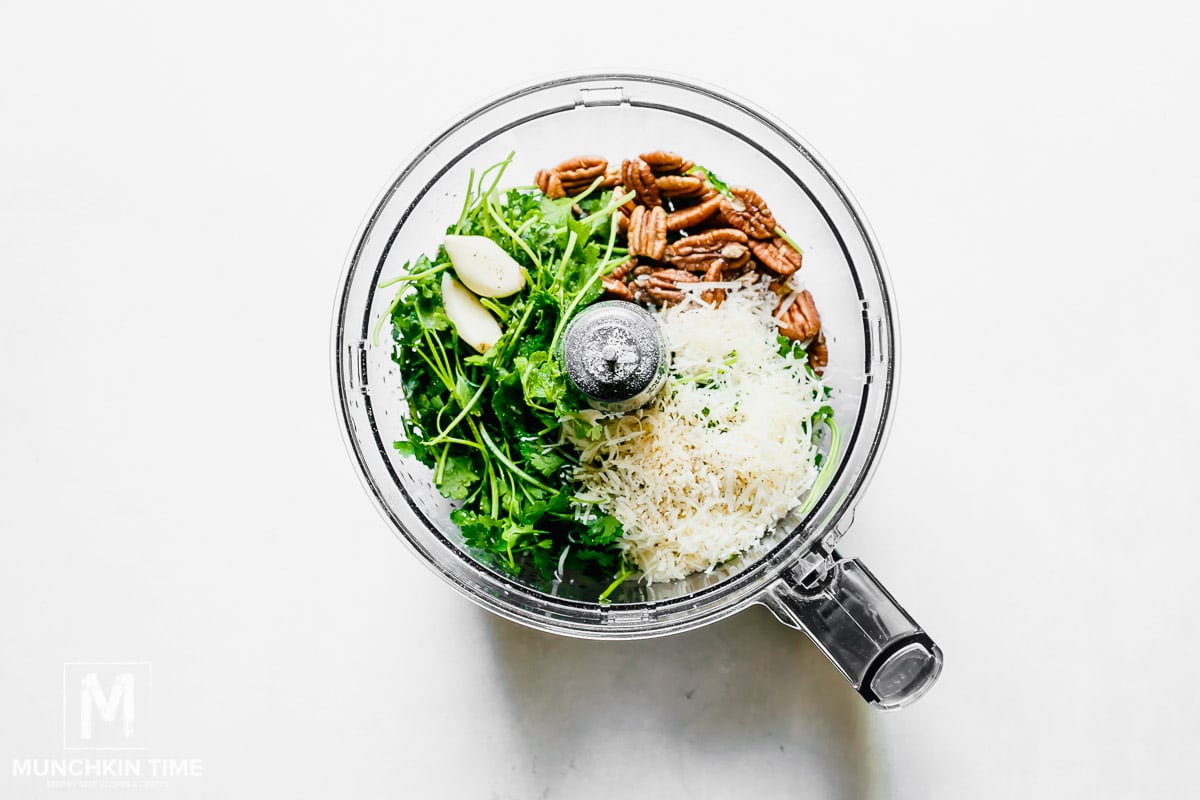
<point>675,276</point>
<point>748,212</point>
<point>661,297</point>
<point>628,205</point>
<point>617,288</point>
<point>693,215</point>
<point>663,162</point>
<point>661,286</point>
<point>620,272</point>
<point>800,321</point>
<point>578,173</point>
<point>614,282</point>
<point>715,295</point>
<point>648,232</point>
<point>611,179</point>
<point>776,255</point>
<point>637,176</point>
<point>696,253</point>
<point>551,185</point>
<point>818,354</point>
<point>733,273</point>
<point>681,185</point>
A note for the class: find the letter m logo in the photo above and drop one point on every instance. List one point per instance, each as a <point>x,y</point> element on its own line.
<point>105,705</point>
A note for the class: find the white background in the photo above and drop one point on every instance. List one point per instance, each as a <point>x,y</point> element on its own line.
<point>178,189</point>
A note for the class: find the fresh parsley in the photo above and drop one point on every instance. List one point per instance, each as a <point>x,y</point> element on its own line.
<point>490,425</point>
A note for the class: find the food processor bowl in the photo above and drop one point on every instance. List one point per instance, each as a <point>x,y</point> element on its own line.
<point>795,571</point>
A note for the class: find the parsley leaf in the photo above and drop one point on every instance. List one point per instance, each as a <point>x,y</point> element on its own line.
<point>458,477</point>
<point>603,530</point>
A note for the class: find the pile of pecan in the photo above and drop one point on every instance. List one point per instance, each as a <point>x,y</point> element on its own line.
<point>679,229</point>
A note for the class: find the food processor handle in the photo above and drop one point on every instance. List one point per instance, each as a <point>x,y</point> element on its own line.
<point>857,623</point>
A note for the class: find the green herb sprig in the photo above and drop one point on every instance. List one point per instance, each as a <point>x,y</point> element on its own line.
<point>490,425</point>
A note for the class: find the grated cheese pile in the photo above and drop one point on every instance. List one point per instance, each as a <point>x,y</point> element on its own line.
<point>723,454</point>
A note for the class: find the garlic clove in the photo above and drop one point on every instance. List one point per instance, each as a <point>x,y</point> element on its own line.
<point>483,266</point>
<point>474,323</point>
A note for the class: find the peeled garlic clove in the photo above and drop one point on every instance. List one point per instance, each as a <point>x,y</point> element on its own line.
<point>474,323</point>
<point>483,266</point>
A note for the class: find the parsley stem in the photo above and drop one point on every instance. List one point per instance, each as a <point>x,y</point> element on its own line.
<point>386,315</point>
<point>499,310</point>
<point>493,491</point>
<point>439,354</point>
<point>487,464</point>
<point>526,225</point>
<point>482,196</point>
<point>446,382</point>
<point>826,473</point>
<point>464,442</point>
<point>499,166</point>
<point>466,409</point>
<point>572,239</point>
<point>514,334</point>
<point>562,321</point>
<point>612,206</point>
<point>511,233</point>
<point>462,217</point>
<point>510,486</point>
<point>621,576</point>
<point>416,276</point>
<point>441,467</point>
<point>779,232</point>
<point>442,374</point>
<point>516,331</point>
<point>503,459</point>
<point>583,195</point>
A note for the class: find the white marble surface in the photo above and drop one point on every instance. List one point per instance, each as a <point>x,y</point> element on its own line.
<point>178,188</point>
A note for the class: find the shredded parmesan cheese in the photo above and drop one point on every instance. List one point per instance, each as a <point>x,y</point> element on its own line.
<point>723,454</point>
